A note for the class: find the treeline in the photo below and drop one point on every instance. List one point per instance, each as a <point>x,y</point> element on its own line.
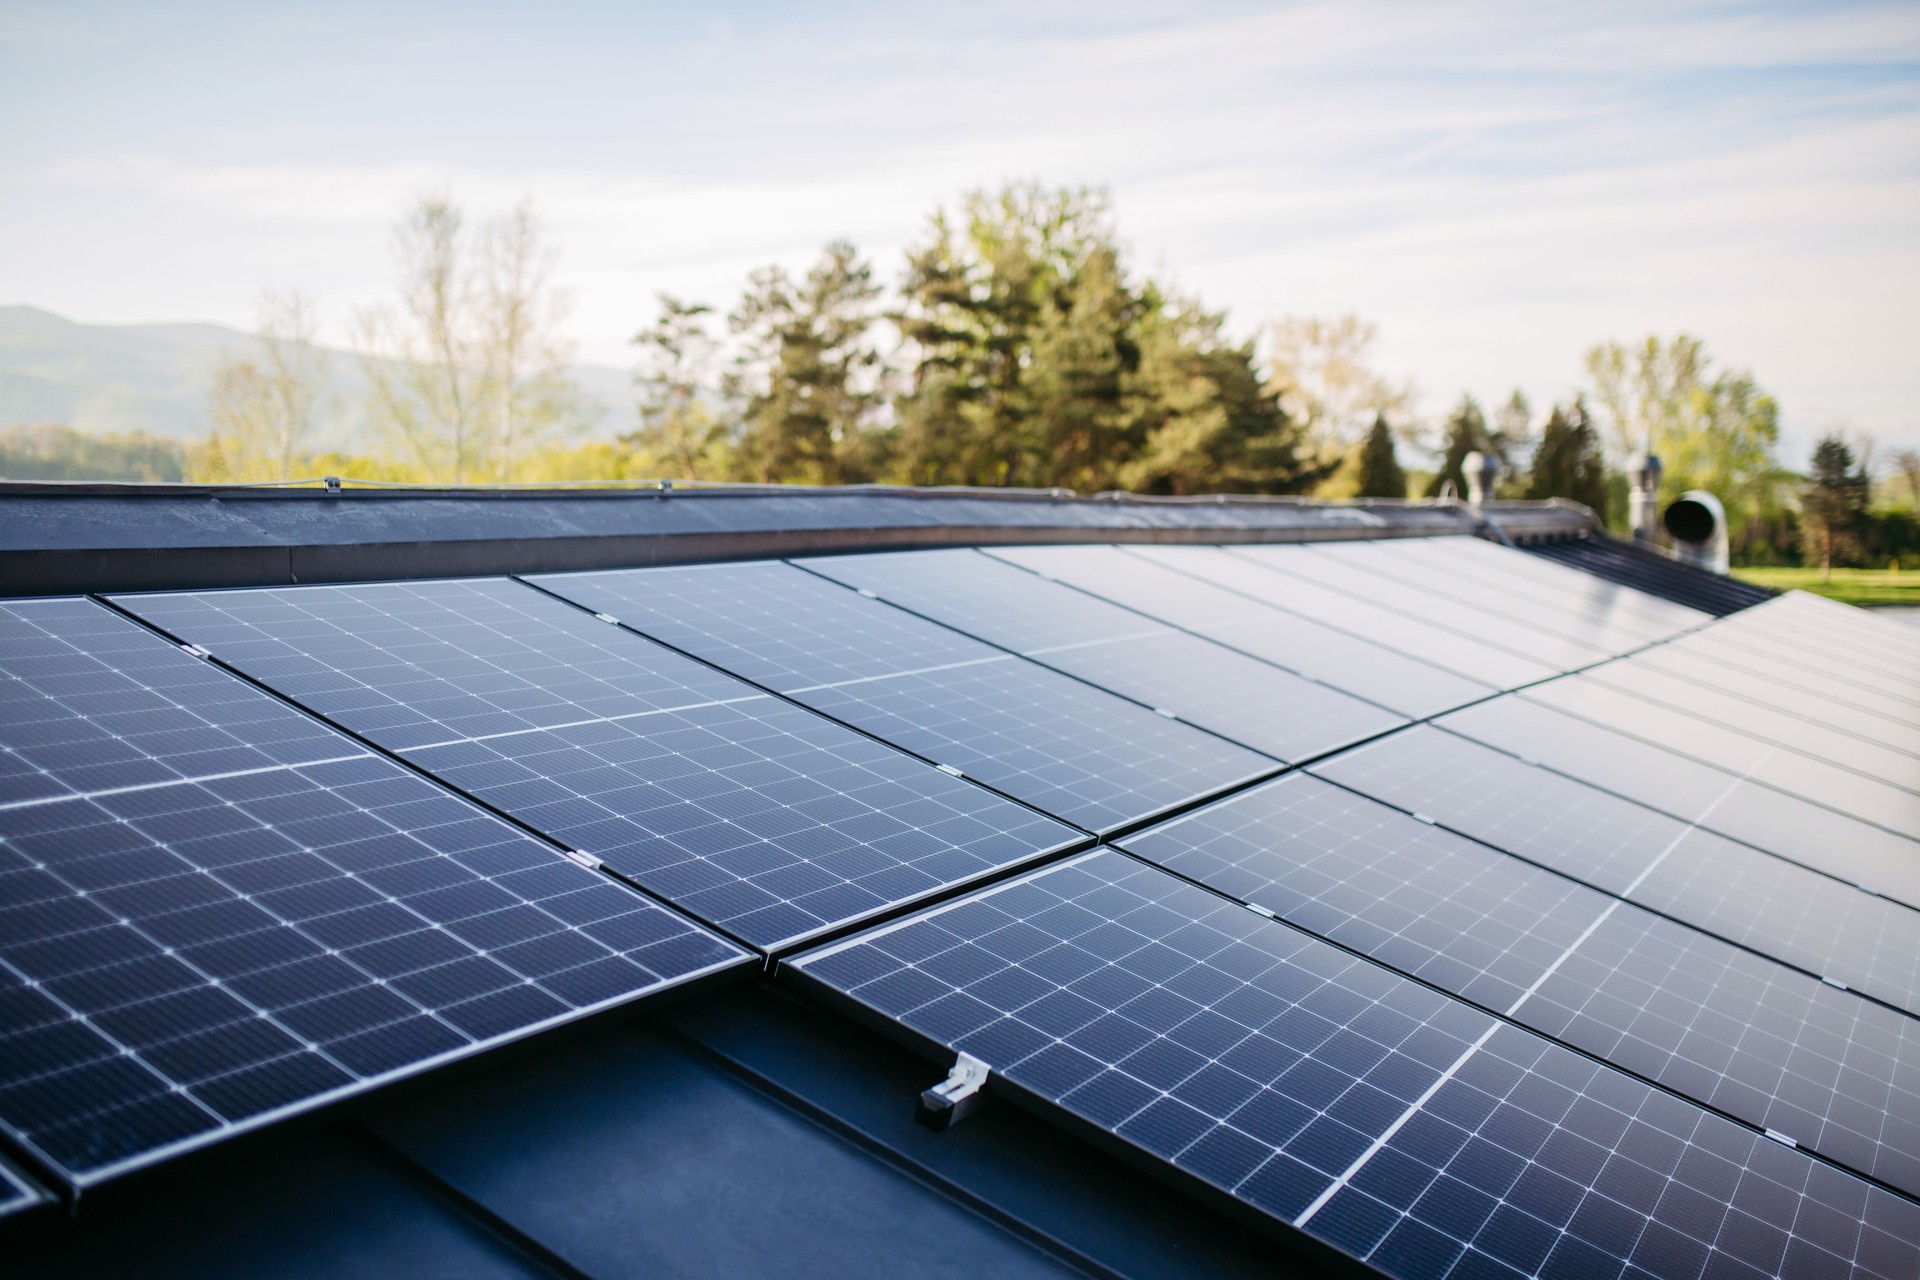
<point>51,451</point>
<point>1019,349</point>
<point>1015,345</point>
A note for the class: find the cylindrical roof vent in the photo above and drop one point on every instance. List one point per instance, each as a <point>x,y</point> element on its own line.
<point>1698,525</point>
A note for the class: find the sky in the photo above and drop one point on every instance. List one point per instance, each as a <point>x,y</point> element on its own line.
<point>1496,186</point>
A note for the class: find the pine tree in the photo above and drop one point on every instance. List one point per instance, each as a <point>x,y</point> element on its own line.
<point>1466,432</point>
<point>1380,473</point>
<point>808,371</point>
<point>1569,462</point>
<point>1833,506</point>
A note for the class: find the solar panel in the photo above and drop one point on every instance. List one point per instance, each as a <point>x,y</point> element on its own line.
<point>1069,749</point>
<point>1418,638</point>
<point>1768,724</point>
<point>1815,677</point>
<point>18,1193</point>
<point>1219,689</point>
<point>1326,1094</point>
<point>1542,581</point>
<point>1687,665</point>
<point>1790,760</point>
<point>1555,653</point>
<point>753,814</point>
<point>203,938</point>
<point>1867,665</point>
<point>1719,800</point>
<point>1802,918</point>
<point>1746,1035</point>
<point>1318,648</point>
<point>1371,563</point>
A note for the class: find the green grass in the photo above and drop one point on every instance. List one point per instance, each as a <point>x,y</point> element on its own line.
<point>1851,586</point>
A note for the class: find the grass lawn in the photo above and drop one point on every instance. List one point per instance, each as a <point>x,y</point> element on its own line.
<point>1854,586</point>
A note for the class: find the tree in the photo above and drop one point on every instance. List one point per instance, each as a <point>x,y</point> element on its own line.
<point>523,361</point>
<point>1466,431</point>
<point>1833,506</point>
<point>1210,422</point>
<point>974,296</point>
<point>808,376</point>
<point>1037,359</point>
<point>1380,473</point>
<point>1510,436</point>
<point>468,369</point>
<point>1570,462</point>
<point>1319,368</point>
<point>676,355</point>
<point>1712,430</point>
<point>261,409</point>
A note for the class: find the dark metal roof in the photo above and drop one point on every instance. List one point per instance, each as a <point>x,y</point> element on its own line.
<point>1653,573</point>
<point>76,538</point>
<point>740,1134</point>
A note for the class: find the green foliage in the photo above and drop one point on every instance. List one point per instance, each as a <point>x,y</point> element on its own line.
<point>48,451</point>
<point>1713,430</point>
<point>1380,473</point>
<point>807,377</point>
<point>1833,506</point>
<point>1466,431</point>
<point>677,424</point>
<point>1568,462</point>
<point>1037,361</point>
<point>1852,586</point>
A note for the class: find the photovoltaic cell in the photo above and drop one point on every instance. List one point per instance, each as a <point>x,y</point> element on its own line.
<point>1371,562</point>
<point>1864,663</point>
<point>1659,689</point>
<point>1550,650</point>
<point>1759,1041</point>
<point>1789,760</point>
<point>1544,582</point>
<point>1420,639</point>
<point>1799,917</point>
<point>1341,658</point>
<point>1816,677</point>
<point>1425,901</point>
<point>1219,689</point>
<point>211,939</point>
<point>1324,1092</point>
<point>1681,664</point>
<point>1062,746</point>
<point>755,815</point>
<point>1721,800</point>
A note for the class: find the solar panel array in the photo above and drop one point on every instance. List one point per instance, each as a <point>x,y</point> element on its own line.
<point>215,911</point>
<point>1082,754</point>
<point>753,814</point>
<point>1462,913</point>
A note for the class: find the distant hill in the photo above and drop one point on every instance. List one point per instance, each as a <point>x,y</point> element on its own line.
<point>153,378</point>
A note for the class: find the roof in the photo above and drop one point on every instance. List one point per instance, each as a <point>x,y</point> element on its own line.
<point>1399,902</point>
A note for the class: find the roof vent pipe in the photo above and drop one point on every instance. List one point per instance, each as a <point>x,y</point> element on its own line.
<point>1481,470</point>
<point>1643,509</point>
<point>1698,525</point>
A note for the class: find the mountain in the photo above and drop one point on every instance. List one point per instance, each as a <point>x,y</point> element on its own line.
<point>153,378</point>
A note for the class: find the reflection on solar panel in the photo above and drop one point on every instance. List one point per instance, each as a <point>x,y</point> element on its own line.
<point>1746,1035</point>
<point>1599,632</point>
<point>1060,745</point>
<point>1423,638</point>
<point>751,813</point>
<point>1551,653</point>
<point>1323,1092</point>
<point>1831,930</point>
<point>206,934</point>
<point>1716,799</point>
<point>1343,659</point>
<point>1204,684</point>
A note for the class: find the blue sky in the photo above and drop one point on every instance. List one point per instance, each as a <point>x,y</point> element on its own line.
<point>1496,185</point>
